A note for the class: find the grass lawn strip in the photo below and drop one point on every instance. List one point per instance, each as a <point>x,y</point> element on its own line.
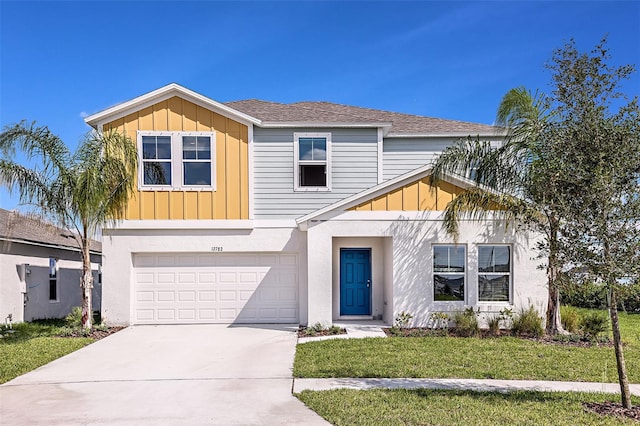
<point>19,357</point>
<point>34,345</point>
<point>474,358</point>
<point>436,407</point>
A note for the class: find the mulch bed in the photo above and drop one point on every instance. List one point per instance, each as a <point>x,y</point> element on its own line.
<point>451,332</point>
<point>97,334</point>
<point>305,332</point>
<point>614,409</point>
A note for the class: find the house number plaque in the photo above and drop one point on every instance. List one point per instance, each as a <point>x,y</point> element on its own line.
<point>216,248</point>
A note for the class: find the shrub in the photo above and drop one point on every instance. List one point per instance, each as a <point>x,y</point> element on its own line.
<point>402,320</point>
<point>74,319</point>
<point>570,318</point>
<point>440,320</point>
<point>466,323</point>
<point>494,324</point>
<point>527,322</point>
<point>594,324</point>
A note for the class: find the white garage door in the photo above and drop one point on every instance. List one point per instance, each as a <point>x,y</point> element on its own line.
<point>215,288</point>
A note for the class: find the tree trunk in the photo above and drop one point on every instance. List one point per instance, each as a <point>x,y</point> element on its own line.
<point>86,284</point>
<point>617,344</point>
<point>553,323</point>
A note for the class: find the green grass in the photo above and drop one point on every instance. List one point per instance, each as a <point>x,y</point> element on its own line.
<point>435,407</point>
<point>450,357</point>
<point>33,345</point>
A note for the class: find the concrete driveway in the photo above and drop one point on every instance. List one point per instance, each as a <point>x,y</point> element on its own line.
<point>165,375</point>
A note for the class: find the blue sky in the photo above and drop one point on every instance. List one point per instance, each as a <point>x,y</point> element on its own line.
<point>60,61</point>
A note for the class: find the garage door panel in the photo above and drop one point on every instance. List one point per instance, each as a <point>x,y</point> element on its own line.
<point>215,288</point>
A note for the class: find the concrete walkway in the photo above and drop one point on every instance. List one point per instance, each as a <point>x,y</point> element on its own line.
<point>459,384</point>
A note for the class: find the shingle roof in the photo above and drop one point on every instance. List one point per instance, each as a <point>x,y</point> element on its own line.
<point>336,113</point>
<point>18,227</point>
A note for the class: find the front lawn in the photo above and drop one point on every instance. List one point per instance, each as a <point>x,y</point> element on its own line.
<point>34,345</point>
<point>436,407</point>
<point>478,358</point>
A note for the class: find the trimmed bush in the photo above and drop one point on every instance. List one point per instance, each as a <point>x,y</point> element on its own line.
<point>527,322</point>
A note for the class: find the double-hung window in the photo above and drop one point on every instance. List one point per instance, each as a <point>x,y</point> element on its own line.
<point>494,273</point>
<point>312,161</point>
<point>449,272</point>
<point>53,279</point>
<point>177,160</point>
<point>156,160</point>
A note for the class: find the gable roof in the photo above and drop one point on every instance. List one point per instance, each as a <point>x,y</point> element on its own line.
<point>301,114</point>
<point>398,124</point>
<point>170,90</point>
<point>378,190</point>
<point>16,227</point>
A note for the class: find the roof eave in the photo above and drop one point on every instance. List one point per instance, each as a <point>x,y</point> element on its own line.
<point>158,95</point>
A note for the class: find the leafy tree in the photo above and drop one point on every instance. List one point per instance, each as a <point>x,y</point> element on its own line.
<point>79,191</point>
<point>600,134</point>
<point>516,181</point>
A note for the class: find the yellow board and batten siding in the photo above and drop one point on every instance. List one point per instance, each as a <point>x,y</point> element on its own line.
<point>230,200</point>
<point>416,196</point>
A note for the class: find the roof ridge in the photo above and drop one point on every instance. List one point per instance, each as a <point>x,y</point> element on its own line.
<point>388,112</point>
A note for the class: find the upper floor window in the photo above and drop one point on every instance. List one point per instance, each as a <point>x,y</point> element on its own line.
<point>494,273</point>
<point>179,160</point>
<point>312,158</point>
<point>449,267</point>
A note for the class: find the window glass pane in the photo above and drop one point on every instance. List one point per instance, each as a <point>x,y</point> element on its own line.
<point>204,148</point>
<point>494,258</point>
<point>53,290</point>
<point>313,175</point>
<point>493,288</point>
<point>52,268</point>
<point>502,259</point>
<point>448,259</point>
<point>448,287</point>
<point>164,147</point>
<point>319,149</point>
<point>157,173</point>
<point>457,259</point>
<point>148,147</point>
<point>305,148</point>
<point>197,173</point>
<point>189,147</point>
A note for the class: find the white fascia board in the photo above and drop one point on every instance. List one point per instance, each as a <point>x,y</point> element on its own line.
<point>292,124</point>
<point>497,133</point>
<point>184,224</point>
<point>98,119</point>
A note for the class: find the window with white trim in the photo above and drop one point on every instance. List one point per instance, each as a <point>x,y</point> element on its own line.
<point>312,161</point>
<point>494,273</point>
<point>53,279</point>
<point>449,272</point>
<point>177,160</point>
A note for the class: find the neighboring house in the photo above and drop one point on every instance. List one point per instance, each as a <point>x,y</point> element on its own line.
<point>260,212</point>
<point>40,269</point>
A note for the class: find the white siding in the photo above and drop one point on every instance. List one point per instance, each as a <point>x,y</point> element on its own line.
<point>354,165</point>
<point>403,155</point>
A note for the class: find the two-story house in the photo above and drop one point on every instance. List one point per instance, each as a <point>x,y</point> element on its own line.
<point>261,212</point>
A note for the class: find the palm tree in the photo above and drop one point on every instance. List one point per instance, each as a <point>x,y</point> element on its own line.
<point>79,191</point>
<point>515,181</point>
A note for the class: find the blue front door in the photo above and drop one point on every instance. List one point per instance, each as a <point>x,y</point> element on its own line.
<point>355,281</point>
